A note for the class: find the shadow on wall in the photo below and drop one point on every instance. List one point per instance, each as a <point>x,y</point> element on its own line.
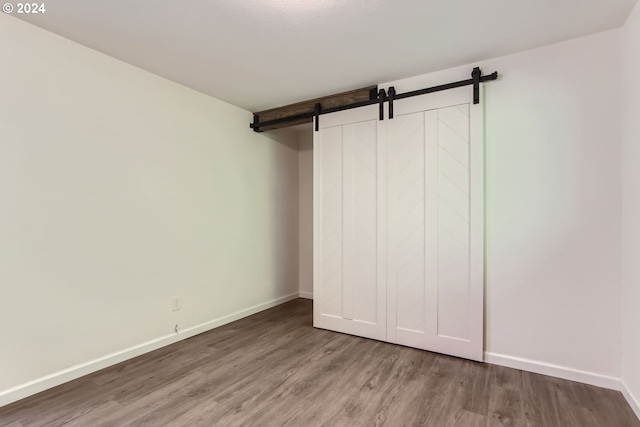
<point>280,189</point>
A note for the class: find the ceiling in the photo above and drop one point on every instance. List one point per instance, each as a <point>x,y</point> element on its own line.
<point>259,54</point>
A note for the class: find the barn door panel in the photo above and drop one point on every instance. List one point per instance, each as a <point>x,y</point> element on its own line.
<point>349,288</point>
<point>435,207</point>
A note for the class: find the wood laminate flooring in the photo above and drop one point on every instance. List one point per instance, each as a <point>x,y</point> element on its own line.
<point>275,369</point>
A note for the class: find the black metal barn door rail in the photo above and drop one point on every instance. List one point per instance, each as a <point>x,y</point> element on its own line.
<point>383,96</point>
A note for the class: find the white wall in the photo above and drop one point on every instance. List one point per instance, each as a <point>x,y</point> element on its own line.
<point>118,190</point>
<point>631,207</point>
<point>305,212</point>
<point>553,285</point>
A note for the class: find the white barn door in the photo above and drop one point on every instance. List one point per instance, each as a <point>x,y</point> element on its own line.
<point>349,224</point>
<point>398,223</point>
<point>435,224</point>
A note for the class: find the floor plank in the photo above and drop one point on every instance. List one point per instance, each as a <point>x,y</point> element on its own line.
<point>275,369</point>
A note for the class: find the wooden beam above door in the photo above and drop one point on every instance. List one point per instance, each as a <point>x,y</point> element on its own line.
<point>302,112</point>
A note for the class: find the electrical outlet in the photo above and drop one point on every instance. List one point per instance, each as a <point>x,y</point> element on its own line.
<point>176,303</point>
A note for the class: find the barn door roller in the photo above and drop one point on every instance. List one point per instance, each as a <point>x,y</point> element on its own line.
<point>381,98</point>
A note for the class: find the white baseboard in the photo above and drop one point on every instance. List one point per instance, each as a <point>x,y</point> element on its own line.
<point>307,295</point>
<point>634,402</point>
<point>77,371</point>
<point>552,370</point>
<point>207,326</point>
